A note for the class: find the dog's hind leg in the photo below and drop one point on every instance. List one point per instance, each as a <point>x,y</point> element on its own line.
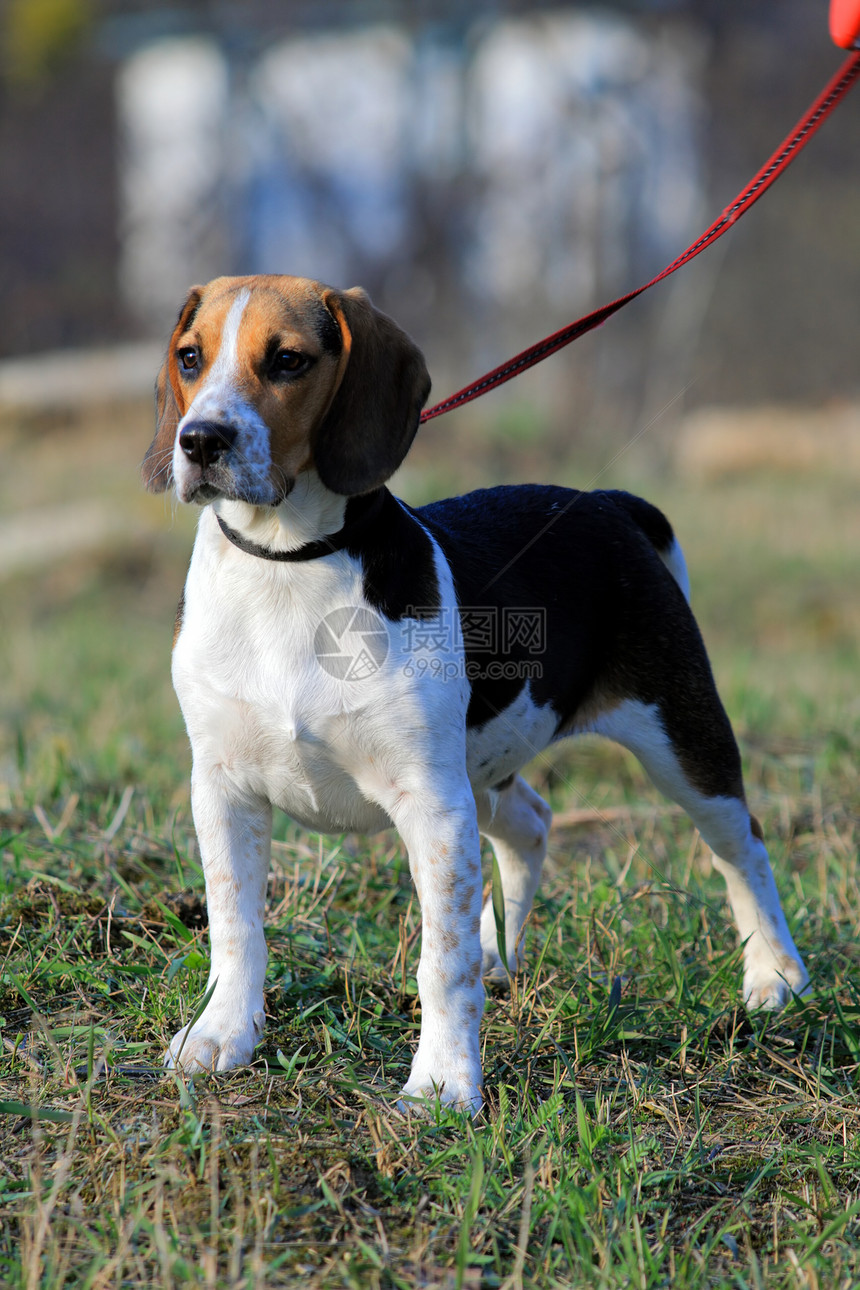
<point>517,830</point>
<point>695,762</point>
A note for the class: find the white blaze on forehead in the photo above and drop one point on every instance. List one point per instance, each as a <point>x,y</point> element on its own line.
<point>221,400</point>
<point>218,398</point>
<point>225,367</point>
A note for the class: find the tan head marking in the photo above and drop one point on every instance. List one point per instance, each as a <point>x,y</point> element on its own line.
<point>299,375</point>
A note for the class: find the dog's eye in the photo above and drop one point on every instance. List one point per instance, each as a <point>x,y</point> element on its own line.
<point>289,362</point>
<point>188,359</point>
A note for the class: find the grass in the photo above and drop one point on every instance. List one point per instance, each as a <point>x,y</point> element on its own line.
<point>640,1129</point>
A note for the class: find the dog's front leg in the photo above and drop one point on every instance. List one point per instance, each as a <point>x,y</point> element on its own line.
<point>235,845</point>
<point>445,861</point>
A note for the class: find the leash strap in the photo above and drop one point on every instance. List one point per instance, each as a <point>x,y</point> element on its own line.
<point>820,110</point>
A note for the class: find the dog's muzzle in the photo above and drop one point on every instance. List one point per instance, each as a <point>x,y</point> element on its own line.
<point>210,464</point>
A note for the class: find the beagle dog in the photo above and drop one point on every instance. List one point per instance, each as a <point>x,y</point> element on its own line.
<point>360,663</point>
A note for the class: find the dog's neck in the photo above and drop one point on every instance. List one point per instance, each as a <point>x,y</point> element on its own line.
<point>309,515</point>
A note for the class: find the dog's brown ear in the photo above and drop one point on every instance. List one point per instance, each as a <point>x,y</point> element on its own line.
<point>372,419</point>
<point>157,467</point>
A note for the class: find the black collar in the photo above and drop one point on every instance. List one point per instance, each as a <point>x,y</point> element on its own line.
<point>360,511</point>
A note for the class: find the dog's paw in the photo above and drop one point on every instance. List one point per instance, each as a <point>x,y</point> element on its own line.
<point>210,1047</point>
<point>457,1088</point>
<point>423,1101</point>
<point>771,985</point>
<point>492,966</point>
<point>493,970</point>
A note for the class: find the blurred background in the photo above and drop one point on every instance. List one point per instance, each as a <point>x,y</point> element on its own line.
<point>488,170</point>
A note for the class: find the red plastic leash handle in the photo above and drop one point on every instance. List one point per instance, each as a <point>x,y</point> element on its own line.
<point>817,114</point>
<point>845,23</point>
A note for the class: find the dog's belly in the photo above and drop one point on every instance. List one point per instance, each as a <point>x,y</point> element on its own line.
<point>268,752</point>
<point>328,804</point>
<point>285,734</point>
<point>300,775</point>
<point>313,768</point>
<point>509,740</point>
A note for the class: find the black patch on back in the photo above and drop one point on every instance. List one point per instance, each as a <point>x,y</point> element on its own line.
<point>615,623</point>
<point>397,559</point>
<point>530,552</point>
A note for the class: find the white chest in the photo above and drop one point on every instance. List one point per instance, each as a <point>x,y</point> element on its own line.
<point>299,694</point>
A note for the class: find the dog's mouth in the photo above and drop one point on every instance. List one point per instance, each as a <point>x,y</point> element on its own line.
<point>201,493</point>
<point>215,482</point>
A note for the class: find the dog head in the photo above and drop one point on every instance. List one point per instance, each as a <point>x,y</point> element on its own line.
<point>266,377</point>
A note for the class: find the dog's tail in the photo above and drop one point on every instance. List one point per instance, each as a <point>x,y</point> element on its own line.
<point>659,533</point>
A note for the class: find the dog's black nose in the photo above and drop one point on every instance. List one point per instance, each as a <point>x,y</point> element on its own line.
<point>203,442</point>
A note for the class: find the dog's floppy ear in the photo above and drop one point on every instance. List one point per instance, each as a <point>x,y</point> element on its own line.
<point>157,468</point>
<point>373,416</point>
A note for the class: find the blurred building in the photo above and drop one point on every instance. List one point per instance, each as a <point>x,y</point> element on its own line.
<point>541,158</point>
<point>487,170</point>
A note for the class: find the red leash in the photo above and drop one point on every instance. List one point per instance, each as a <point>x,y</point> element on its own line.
<point>818,113</point>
